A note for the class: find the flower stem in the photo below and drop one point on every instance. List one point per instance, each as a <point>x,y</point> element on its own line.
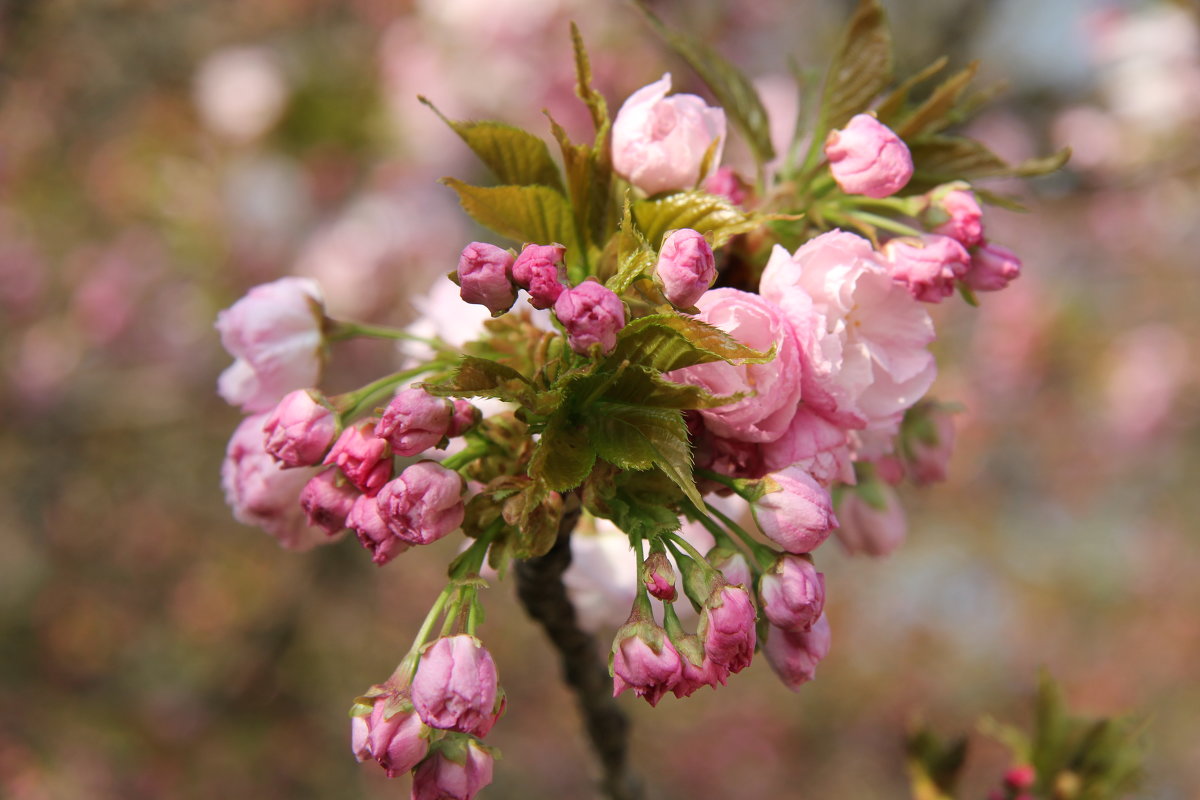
<point>354,403</point>
<point>764,555</point>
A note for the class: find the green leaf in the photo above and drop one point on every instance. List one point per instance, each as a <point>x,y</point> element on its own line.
<point>522,213</point>
<point>635,257</point>
<point>664,342</point>
<point>640,503</point>
<point>734,92</point>
<point>941,159</point>
<point>536,514</point>
<point>713,216</point>
<point>588,181</point>
<point>564,455</point>
<point>583,87</point>
<point>516,156</point>
<point>861,67</point>
<point>639,386</point>
<point>931,116</point>
<point>891,106</point>
<point>481,377</point>
<point>634,437</point>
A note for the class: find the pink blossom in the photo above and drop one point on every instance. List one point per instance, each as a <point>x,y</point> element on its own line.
<point>724,182</point>
<point>644,661</point>
<point>299,430</point>
<point>727,628</point>
<point>928,449</point>
<point>659,142</point>
<point>870,530</point>
<point>540,271</point>
<point>864,338</point>
<point>465,417</point>
<point>771,389</point>
<point>363,457</point>
<point>965,217</point>
<point>867,157</point>
<point>391,733</point>
<point>733,566</point>
<point>455,687</point>
<point>592,315</point>
<point>414,421</point>
<point>792,593</point>
<point>696,668</point>
<point>798,515</point>
<point>440,777</point>
<point>1023,776</point>
<point>686,267</point>
<point>274,335</point>
<point>263,493</point>
<point>326,500</point>
<point>485,277</point>
<point>372,530</point>
<point>794,655</point>
<point>992,268</point>
<point>423,504</point>
<point>928,268</point>
<point>814,445</point>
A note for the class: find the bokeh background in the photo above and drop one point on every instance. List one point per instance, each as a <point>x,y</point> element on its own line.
<point>157,158</point>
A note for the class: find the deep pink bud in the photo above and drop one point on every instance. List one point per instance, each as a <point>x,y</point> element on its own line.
<point>414,421</point>
<point>592,315</point>
<point>798,516</point>
<point>455,686</point>
<point>391,734</point>
<point>867,157</point>
<point>965,221</point>
<point>686,267</point>
<point>659,577</point>
<point>539,270</point>
<point>870,530</point>
<point>423,504</point>
<point>792,593</point>
<point>298,432</point>
<point>1021,777</point>
<point>928,268</point>
<point>727,628</point>
<point>465,417</point>
<point>644,660</point>
<point>992,268</point>
<point>485,277</point>
<point>443,777</point>
<point>371,529</point>
<point>363,457</point>
<point>724,182</point>
<point>326,500</point>
<point>794,655</point>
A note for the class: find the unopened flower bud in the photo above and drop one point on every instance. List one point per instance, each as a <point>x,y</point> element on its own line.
<point>414,421</point>
<point>727,627</point>
<point>733,565</point>
<point>686,267</point>
<point>455,688</point>
<point>539,270</point>
<point>992,268</point>
<point>964,217</point>
<point>644,660</point>
<point>1021,777</point>
<point>423,504</point>
<point>927,267</point>
<point>792,593</point>
<point>392,734</point>
<point>794,655</point>
<point>928,443</point>
<point>485,277</point>
<point>592,315</point>
<point>867,157</point>
<point>458,775</point>
<point>659,576</point>
<point>798,516</point>
<point>371,529</point>
<point>326,500</point>
<point>363,457</point>
<point>696,668</point>
<point>300,429</point>
<point>871,530</point>
<point>465,417</point>
<point>724,182</point>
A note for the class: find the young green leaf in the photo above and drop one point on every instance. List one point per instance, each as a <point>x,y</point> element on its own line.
<point>861,67</point>
<point>635,437</point>
<point>941,159</point>
<point>481,377</point>
<point>564,455</point>
<point>894,104</point>
<point>669,341</point>
<point>933,115</point>
<point>583,87</point>
<point>522,213</point>
<point>709,214</point>
<point>639,386</point>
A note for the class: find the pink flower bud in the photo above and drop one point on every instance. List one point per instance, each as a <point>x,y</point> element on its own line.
<point>792,593</point>
<point>727,628</point>
<point>644,660</point>
<point>465,417</point>
<point>1021,777</point>
<point>414,421</point>
<point>870,530</point>
<point>659,142</point>
<point>733,565</point>
<point>391,733</point>
<point>928,447</point>
<point>455,686</point>
<point>539,270</point>
<point>423,504</point>
<point>928,268</point>
<point>992,268</point>
<point>794,655</point>
<point>371,529</point>
<point>443,777</point>
<point>363,457</point>
<point>485,277</point>
<point>965,222</point>
<point>592,315</point>
<point>299,430</point>
<point>659,577</point>
<point>326,500</point>
<point>799,515</point>
<point>724,182</point>
<point>275,335</point>
<point>686,267</point>
<point>867,157</point>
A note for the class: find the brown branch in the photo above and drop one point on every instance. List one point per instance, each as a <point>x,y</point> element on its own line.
<point>540,588</point>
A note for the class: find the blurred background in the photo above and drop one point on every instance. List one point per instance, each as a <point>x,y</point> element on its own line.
<point>158,158</point>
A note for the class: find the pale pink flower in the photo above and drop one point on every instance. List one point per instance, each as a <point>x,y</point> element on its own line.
<point>686,267</point>
<point>274,333</point>
<point>867,157</point>
<point>870,530</point>
<point>929,267</point>
<point>659,142</point>
<point>440,778</point>
<point>992,268</point>
<point>456,686</point>
<point>771,390</point>
<point>794,655</point>
<point>798,515</point>
<point>299,430</point>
